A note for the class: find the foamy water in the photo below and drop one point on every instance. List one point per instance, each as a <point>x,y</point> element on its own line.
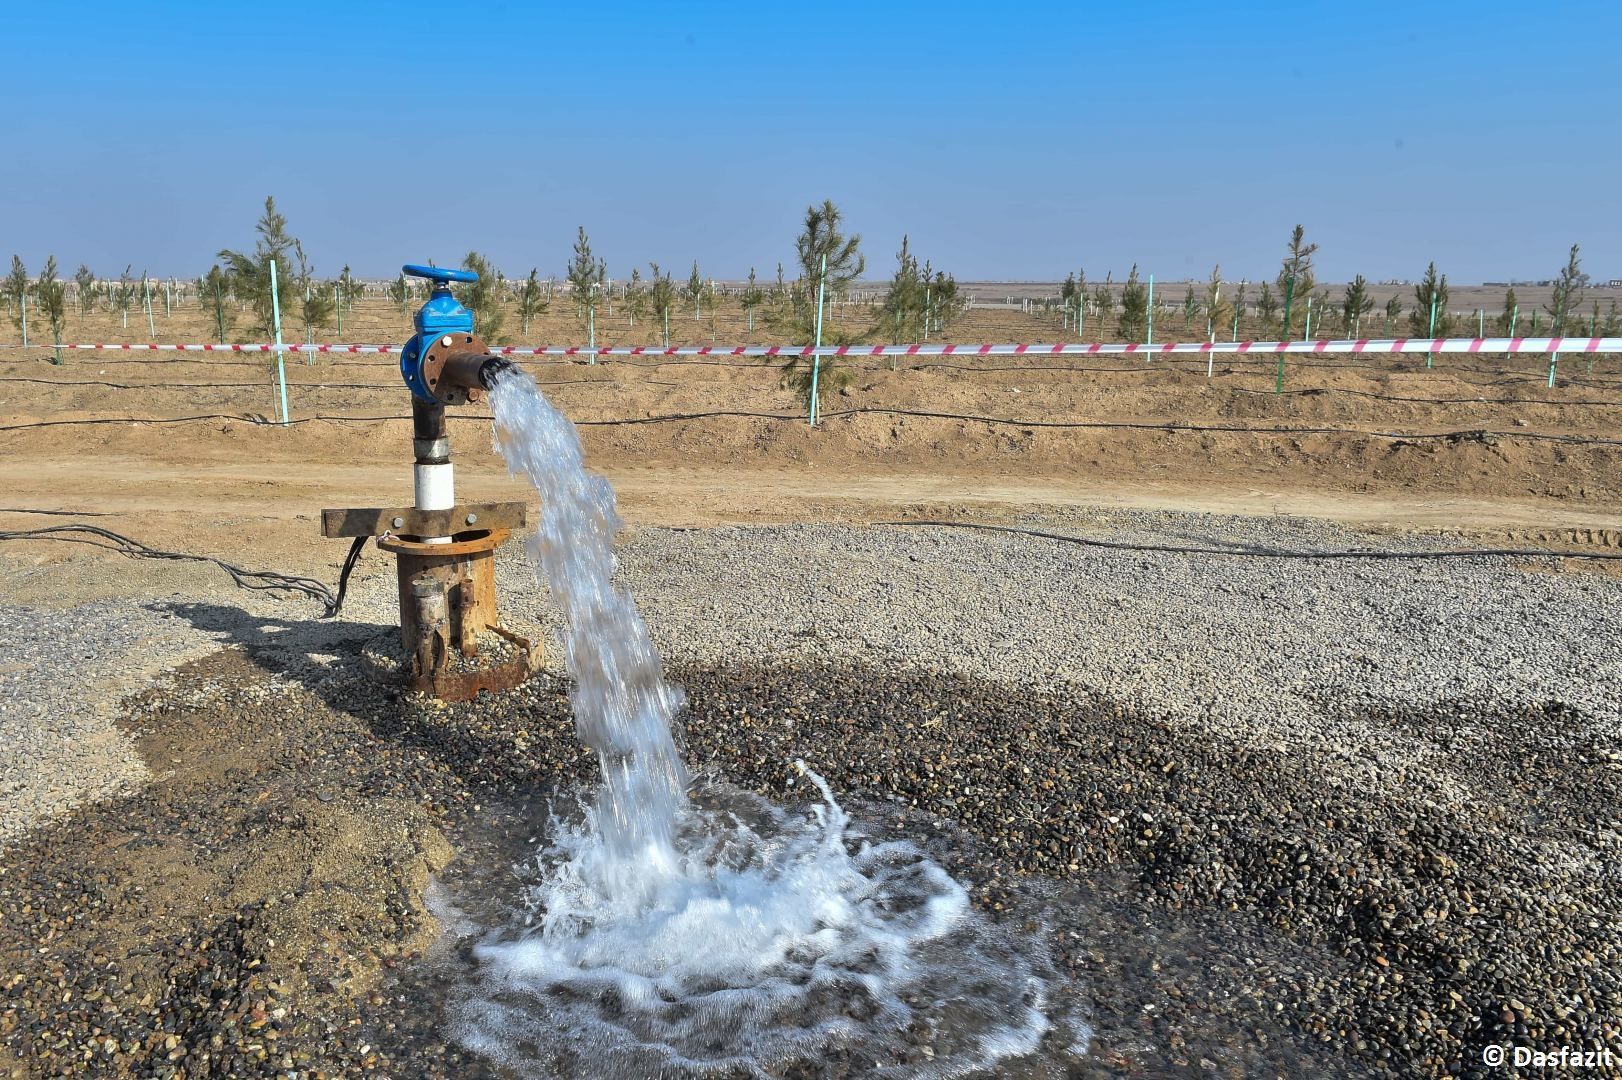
<point>655,936</point>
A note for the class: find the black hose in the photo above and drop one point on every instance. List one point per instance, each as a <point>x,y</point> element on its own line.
<point>258,580</point>
<point>1264,552</point>
<point>350,560</point>
<point>1469,435</point>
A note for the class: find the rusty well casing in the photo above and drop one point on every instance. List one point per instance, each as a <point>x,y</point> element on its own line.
<point>449,622</point>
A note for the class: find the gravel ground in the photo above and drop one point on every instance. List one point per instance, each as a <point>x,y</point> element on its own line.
<point>1302,816</point>
<point>61,673</point>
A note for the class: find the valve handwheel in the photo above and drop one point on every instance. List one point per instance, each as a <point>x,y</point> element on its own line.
<point>440,274</point>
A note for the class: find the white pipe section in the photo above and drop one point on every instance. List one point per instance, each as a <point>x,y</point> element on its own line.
<point>436,490</point>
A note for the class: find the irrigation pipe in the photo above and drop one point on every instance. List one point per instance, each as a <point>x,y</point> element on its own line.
<point>1474,435</point>
<point>1262,552</point>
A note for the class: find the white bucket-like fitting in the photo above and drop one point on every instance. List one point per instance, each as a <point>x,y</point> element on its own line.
<point>436,490</point>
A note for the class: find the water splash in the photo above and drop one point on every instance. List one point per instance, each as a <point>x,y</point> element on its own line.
<point>621,701</point>
<point>660,937</point>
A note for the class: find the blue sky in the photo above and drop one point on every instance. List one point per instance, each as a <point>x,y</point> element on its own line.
<point>1010,140</point>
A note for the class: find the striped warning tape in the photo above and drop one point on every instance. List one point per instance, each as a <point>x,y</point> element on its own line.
<point>1357,346</point>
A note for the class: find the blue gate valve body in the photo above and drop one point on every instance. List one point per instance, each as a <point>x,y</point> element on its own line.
<point>442,314</point>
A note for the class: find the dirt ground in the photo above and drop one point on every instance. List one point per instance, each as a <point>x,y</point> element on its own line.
<point>170,448</point>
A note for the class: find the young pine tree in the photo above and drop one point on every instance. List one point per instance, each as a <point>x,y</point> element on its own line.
<point>532,299</point>
<point>663,296</point>
<point>1267,307</point>
<point>1510,316</point>
<point>902,310</point>
<point>212,290</point>
<point>1393,309</point>
<point>1134,322</point>
<point>1240,306</point>
<point>1295,280</point>
<point>1104,298</point>
<point>484,297</point>
<point>830,258</point>
<point>1568,295</point>
<point>250,272</point>
<point>400,293</point>
<point>582,275</point>
<point>1430,295</point>
<point>695,288</point>
<point>123,296</point>
<point>636,300</point>
<point>751,298</point>
<point>84,292</point>
<point>1355,304</point>
<point>51,296</point>
<point>1217,312</point>
<point>17,285</point>
<point>317,306</point>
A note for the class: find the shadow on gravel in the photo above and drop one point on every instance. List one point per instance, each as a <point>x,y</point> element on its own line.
<point>312,652</point>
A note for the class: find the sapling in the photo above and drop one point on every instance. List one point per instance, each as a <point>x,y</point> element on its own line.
<point>483,297</point>
<point>1510,315</point>
<point>902,307</point>
<point>636,300</point>
<point>663,295</point>
<point>582,275</point>
<point>250,272</point>
<point>84,289</point>
<point>1429,317</point>
<point>123,296</point>
<point>1267,307</point>
<point>695,288</point>
<point>400,293</point>
<point>213,289</point>
<point>52,297</point>
<point>1356,303</point>
<point>318,305</point>
<point>17,286</point>
<point>531,299</point>
<point>1568,293</point>
<point>751,298</point>
<point>1216,311</point>
<point>1134,307</point>
<point>1104,299</point>
<point>829,259</point>
<point>1295,278</point>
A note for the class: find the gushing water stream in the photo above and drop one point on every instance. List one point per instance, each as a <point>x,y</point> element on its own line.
<point>728,936</point>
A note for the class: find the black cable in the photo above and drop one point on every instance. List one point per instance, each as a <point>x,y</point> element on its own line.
<point>52,513</point>
<point>259,580</point>
<point>1265,552</point>
<point>350,560</point>
<point>1475,435</point>
<point>1315,390</point>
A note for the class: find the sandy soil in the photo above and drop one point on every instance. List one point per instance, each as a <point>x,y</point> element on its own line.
<point>1382,444</point>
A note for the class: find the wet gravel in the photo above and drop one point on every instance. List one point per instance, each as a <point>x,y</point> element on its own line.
<point>1280,818</point>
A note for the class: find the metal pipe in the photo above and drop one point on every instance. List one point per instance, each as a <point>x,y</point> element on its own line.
<point>472,371</point>
<point>433,477</point>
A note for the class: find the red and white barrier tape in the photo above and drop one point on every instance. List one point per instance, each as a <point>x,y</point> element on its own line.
<point>1355,346</point>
